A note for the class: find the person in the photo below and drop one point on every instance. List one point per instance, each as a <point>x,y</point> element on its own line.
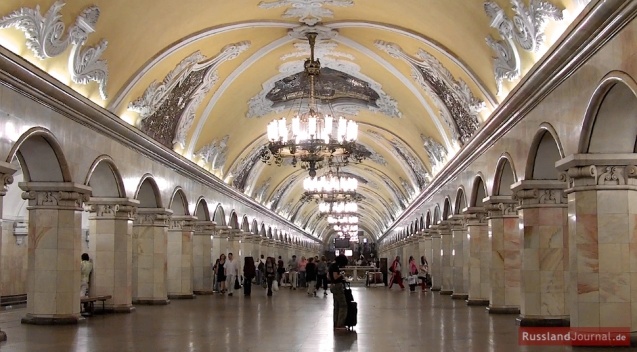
<point>221,274</point>
<point>302,265</point>
<point>337,287</point>
<point>249,272</point>
<point>215,283</point>
<point>423,271</point>
<point>261,271</point>
<point>310,276</point>
<point>413,272</point>
<point>270,273</point>
<point>396,276</point>
<point>86,268</point>
<point>280,270</point>
<point>321,275</point>
<point>231,273</point>
<point>293,269</point>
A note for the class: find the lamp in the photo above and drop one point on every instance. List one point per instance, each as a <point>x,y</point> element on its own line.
<point>313,138</point>
<point>330,188</point>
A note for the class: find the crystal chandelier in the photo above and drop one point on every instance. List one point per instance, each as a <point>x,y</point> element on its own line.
<point>330,188</point>
<point>346,228</point>
<point>313,138</point>
<point>342,219</point>
<point>338,207</point>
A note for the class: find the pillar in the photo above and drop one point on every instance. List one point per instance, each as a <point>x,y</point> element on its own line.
<point>179,257</point>
<point>202,259</point>
<point>6,178</point>
<point>505,255</point>
<point>235,237</point>
<point>150,245</point>
<point>435,262</point>
<point>479,256</point>
<point>446,258</point>
<point>220,242</point>
<point>459,259</point>
<point>54,242</point>
<point>602,228</point>
<point>111,232</point>
<point>543,212</point>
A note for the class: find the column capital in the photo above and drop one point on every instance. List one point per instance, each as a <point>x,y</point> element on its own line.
<point>540,193</point>
<point>500,206</point>
<point>475,216</point>
<point>55,195</point>
<point>153,217</point>
<point>112,208</point>
<point>204,227</point>
<point>599,171</point>
<point>457,222</point>
<point>182,222</point>
<point>6,176</point>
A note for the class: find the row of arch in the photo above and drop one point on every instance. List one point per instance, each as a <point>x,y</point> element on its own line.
<point>41,159</point>
<point>608,117</point>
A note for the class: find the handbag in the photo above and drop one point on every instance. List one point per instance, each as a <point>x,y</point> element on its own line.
<point>237,285</point>
<point>275,285</point>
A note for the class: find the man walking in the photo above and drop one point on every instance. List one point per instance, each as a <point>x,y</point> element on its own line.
<point>232,270</point>
<point>293,269</point>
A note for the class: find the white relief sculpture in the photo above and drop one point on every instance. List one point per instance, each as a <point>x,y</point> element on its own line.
<point>526,28</point>
<point>437,152</point>
<point>215,152</point>
<point>45,38</point>
<point>309,12</point>
<point>322,49</point>
<point>449,94</point>
<point>259,194</point>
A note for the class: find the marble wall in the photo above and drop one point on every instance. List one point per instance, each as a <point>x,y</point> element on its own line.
<point>13,261</point>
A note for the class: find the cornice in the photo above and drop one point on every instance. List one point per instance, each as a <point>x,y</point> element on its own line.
<point>593,29</point>
<point>26,79</point>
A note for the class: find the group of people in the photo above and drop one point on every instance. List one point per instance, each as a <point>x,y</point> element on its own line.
<point>415,273</point>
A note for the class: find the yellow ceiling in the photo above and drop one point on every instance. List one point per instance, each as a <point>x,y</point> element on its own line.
<point>147,39</point>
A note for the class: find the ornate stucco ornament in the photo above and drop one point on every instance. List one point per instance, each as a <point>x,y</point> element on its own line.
<point>282,191</point>
<point>309,12</point>
<point>260,192</point>
<point>167,109</point>
<point>526,29</point>
<point>215,153</point>
<point>242,170</point>
<point>453,97</point>
<point>437,152</point>
<point>45,37</point>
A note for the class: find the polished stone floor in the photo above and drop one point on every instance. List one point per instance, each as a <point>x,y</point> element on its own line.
<point>388,320</point>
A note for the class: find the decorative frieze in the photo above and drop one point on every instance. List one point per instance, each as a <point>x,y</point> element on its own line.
<point>594,171</point>
<point>539,193</point>
<point>500,206</point>
<point>309,12</point>
<point>475,216</point>
<point>204,228</point>
<point>112,208</point>
<point>526,29</point>
<point>6,177</point>
<point>60,195</point>
<point>182,223</point>
<point>158,217</point>
<point>45,37</point>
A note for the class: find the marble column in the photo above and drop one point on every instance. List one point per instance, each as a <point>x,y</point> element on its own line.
<point>602,228</point>
<point>6,178</point>
<point>479,256</point>
<point>235,237</point>
<point>505,255</point>
<point>435,262</point>
<point>446,258</point>
<point>179,257</point>
<point>202,258</point>
<point>543,215</point>
<point>459,258</point>
<point>220,242</point>
<point>150,246</point>
<point>111,232</point>
<point>55,245</point>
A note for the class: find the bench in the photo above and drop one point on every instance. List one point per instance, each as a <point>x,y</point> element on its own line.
<point>87,303</point>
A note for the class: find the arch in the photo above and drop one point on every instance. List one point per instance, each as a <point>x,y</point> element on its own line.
<point>436,214</point>
<point>504,176</point>
<point>270,236</point>
<point>461,201</point>
<point>609,123</point>
<point>220,216</point>
<point>233,222</point>
<point>245,224</point>
<point>428,220</point>
<point>178,202</point>
<point>262,230</point>
<point>478,191</point>
<point>546,143</point>
<point>201,209</point>
<point>147,193</point>
<point>40,156</point>
<point>105,179</point>
<point>422,222</point>
<point>446,210</point>
<point>254,227</point>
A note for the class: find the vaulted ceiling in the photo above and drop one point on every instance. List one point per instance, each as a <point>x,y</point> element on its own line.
<point>205,77</point>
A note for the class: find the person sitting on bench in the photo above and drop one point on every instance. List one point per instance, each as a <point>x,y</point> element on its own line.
<point>86,268</point>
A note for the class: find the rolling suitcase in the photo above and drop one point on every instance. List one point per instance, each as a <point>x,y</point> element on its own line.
<point>352,308</point>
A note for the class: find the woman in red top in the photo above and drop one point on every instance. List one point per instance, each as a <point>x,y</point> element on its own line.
<point>396,276</point>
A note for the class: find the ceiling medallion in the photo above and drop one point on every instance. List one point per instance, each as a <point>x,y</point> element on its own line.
<point>315,138</point>
<point>526,28</point>
<point>309,12</point>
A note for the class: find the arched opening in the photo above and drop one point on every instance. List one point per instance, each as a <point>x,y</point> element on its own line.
<point>446,210</point>
<point>437,214</point>
<point>201,210</point>
<point>40,157</point>
<point>148,193</point>
<point>545,152</point>
<point>262,231</point>
<point>478,192</point>
<point>179,203</point>
<point>220,216</point>
<point>104,179</point>
<point>428,220</point>
<point>234,221</point>
<point>254,228</point>
<point>245,224</point>
<point>270,236</point>
<point>461,201</point>
<point>504,177</point>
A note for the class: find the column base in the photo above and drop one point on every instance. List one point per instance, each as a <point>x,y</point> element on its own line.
<point>203,292</point>
<point>446,292</point>
<point>181,296</point>
<point>477,302</point>
<point>122,309</point>
<point>3,336</point>
<point>459,296</point>
<point>151,302</point>
<point>539,321</point>
<point>503,310</point>
<point>48,320</point>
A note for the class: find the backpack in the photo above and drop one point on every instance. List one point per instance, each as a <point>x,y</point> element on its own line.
<point>261,267</point>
